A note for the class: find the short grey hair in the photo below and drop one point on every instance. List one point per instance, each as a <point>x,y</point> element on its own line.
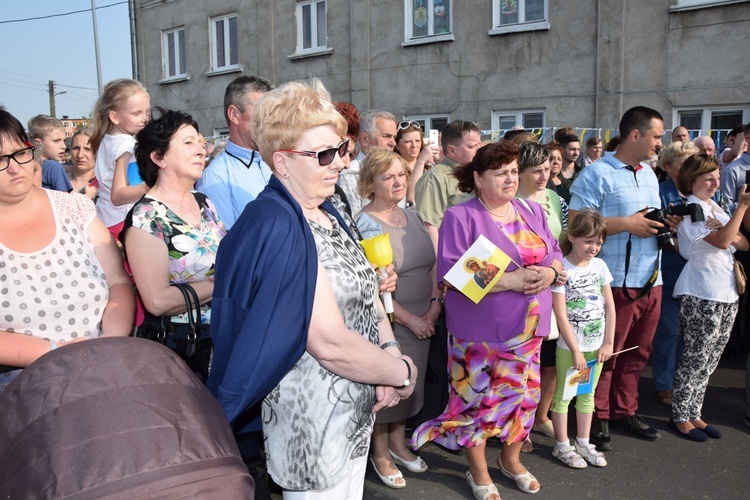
<point>531,154</point>
<point>237,90</point>
<point>367,122</point>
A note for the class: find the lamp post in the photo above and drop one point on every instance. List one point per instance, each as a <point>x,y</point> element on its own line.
<point>96,47</point>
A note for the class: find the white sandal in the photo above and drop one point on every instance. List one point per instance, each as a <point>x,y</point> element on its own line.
<point>570,457</point>
<point>389,481</point>
<point>589,453</point>
<point>483,492</point>
<point>523,481</point>
<point>417,465</point>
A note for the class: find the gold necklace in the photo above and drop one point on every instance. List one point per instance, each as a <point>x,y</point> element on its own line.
<point>190,210</point>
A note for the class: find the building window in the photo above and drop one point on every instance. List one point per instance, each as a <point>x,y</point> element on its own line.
<point>509,16</point>
<point>502,121</point>
<point>311,26</point>
<point>225,46</point>
<point>428,122</point>
<point>716,122</point>
<point>428,18</point>
<point>173,53</point>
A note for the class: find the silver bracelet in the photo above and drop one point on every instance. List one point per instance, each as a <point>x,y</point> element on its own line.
<point>392,343</point>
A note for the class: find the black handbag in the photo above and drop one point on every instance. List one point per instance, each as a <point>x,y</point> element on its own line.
<point>191,341</point>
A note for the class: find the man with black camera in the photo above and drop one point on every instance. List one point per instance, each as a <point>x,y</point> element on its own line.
<point>624,191</point>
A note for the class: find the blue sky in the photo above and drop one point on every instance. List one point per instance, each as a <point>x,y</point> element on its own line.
<point>60,48</point>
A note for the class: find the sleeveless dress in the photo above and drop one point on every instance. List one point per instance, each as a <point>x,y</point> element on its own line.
<point>413,258</point>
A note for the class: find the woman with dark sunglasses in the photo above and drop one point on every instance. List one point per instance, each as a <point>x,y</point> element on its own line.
<point>419,154</point>
<point>296,318</point>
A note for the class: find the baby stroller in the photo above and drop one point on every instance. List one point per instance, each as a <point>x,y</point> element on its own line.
<point>116,418</point>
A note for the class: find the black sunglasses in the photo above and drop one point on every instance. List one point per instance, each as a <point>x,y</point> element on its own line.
<point>326,156</point>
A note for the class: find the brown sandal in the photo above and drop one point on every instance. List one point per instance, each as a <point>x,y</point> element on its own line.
<point>664,397</point>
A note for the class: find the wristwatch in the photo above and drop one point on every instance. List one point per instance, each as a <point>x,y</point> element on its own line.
<point>407,382</point>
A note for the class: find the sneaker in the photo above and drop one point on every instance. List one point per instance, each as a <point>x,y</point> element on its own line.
<point>637,426</point>
<point>589,453</point>
<point>600,435</point>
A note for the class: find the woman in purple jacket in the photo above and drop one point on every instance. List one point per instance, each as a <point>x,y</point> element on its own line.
<point>494,345</point>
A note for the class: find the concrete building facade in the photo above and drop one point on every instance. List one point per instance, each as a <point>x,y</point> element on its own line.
<point>537,63</point>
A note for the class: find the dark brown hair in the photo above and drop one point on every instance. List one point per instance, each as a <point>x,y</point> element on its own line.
<point>489,157</point>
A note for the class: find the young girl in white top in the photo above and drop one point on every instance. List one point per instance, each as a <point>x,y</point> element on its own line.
<point>585,313</point>
<point>120,112</point>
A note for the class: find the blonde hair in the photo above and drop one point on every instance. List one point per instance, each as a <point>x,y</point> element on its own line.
<point>283,114</point>
<point>41,125</point>
<point>376,162</point>
<point>114,96</point>
<point>675,150</point>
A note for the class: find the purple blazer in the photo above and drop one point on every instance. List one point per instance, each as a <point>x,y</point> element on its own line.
<point>499,316</point>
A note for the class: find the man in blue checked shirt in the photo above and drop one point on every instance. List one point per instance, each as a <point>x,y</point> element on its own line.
<point>624,190</point>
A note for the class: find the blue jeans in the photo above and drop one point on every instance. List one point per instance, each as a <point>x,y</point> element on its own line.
<point>667,345</point>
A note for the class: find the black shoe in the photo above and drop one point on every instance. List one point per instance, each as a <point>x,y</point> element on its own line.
<point>635,425</point>
<point>600,435</point>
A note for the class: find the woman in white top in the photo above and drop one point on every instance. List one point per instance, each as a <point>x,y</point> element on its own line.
<point>61,274</point>
<point>707,292</point>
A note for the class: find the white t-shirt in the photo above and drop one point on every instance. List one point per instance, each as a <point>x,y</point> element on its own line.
<point>585,303</point>
<point>57,293</point>
<point>111,148</point>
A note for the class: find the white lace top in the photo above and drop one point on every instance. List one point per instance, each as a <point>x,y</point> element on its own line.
<point>59,292</point>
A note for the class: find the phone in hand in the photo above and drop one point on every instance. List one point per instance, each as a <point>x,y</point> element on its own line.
<point>747,179</point>
<point>433,137</point>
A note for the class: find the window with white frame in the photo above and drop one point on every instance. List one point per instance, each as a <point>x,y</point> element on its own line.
<point>427,18</point>
<point>428,122</point>
<point>507,119</point>
<point>225,47</point>
<point>173,53</point>
<point>510,16</point>
<point>713,121</point>
<point>311,26</point>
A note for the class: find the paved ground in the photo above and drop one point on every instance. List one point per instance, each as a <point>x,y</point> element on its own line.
<point>670,468</point>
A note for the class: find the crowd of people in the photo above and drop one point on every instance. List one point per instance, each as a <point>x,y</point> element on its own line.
<point>611,258</point>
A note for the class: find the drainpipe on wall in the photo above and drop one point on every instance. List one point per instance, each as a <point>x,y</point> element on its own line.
<point>133,41</point>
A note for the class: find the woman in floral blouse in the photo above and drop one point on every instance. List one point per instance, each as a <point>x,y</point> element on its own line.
<point>172,233</point>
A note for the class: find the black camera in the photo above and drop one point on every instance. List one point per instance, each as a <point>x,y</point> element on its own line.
<point>664,237</point>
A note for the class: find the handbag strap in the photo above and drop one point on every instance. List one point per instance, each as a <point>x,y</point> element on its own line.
<point>192,304</point>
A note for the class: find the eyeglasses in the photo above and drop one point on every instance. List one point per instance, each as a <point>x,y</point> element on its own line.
<point>409,123</point>
<point>22,156</point>
<point>326,156</point>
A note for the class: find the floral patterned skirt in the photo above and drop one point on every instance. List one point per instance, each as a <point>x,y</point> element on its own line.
<point>494,392</point>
